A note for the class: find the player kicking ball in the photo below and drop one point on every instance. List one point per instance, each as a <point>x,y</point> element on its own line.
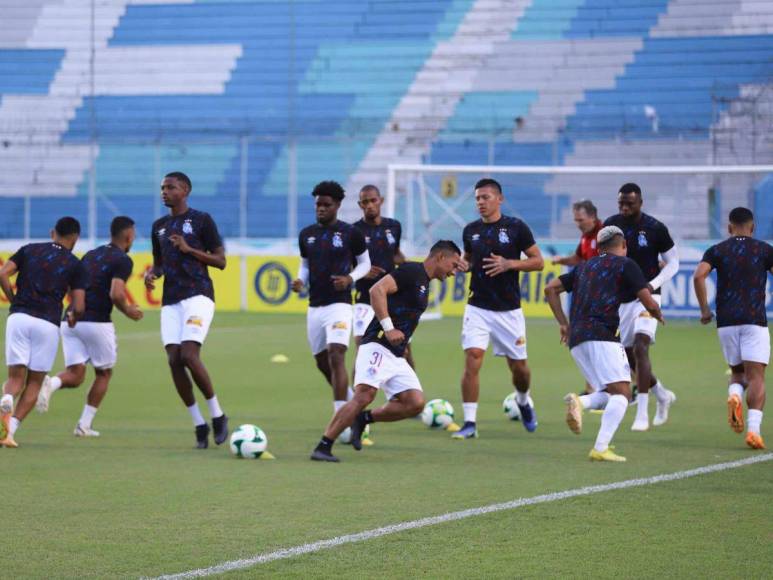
<point>742,264</point>
<point>93,338</point>
<point>599,286</point>
<point>398,299</point>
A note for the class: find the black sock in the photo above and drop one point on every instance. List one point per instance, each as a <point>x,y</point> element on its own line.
<point>325,444</point>
<point>368,416</point>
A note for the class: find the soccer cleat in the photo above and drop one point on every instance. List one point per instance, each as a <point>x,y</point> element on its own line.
<point>322,455</point>
<point>452,427</point>
<point>641,425</point>
<point>6,439</point>
<point>357,429</point>
<point>220,427</point>
<point>468,431</point>
<point>84,431</point>
<point>662,408</point>
<point>606,455</point>
<point>367,440</point>
<point>528,417</point>
<point>573,413</point>
<point>44,396</point>
<point>735,413</point>
<point>267,455</point>
<point>754,440</point>
<point>202,436</point>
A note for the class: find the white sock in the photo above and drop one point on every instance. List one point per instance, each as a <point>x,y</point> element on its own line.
<point>198,419</point>
<point>56,383</point>
<point>754,420</point>
<point>610,421</point>
<point>87,416</point>
<point>642,409</point>
<point>337,405</point>
<point>470,412</point>
<point>349,393</point>
<point>660,392</point>
<point>522,398</point>
<point>13,426</point>
<point>735,389</point>
<point>214,407</point>
<point>596,400</point>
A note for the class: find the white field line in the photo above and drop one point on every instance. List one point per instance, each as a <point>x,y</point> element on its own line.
<point>459,515</point>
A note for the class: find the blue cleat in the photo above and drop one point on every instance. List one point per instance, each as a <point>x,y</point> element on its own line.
<point>528,417</point>
<point>468,431</point>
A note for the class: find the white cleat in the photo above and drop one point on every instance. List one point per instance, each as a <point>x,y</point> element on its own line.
<point>44,396</point>
<point>6,404</point>
<point>640,425</point>
<point>661,410</point>
<point>84,431</point>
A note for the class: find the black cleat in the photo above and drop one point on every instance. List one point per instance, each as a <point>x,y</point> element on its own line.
<point>220,427</point>
<point>202,436</point>
<point>324,455</point>
<point>357,428</point>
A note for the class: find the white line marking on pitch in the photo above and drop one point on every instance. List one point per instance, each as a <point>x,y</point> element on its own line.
<point>460,515</point>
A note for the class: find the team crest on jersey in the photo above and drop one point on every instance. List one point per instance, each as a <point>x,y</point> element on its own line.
<point>187,227</point>
<point>390,238</point>
<point>338,241</point>
<point>643,240</point>
<point>503,237</point>
<point>422,289</point>
<point>310,240</point>
<point>475,237</point>
<point>161,232</point>
<point>367,239</point>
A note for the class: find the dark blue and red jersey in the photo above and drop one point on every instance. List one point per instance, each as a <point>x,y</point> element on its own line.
<point>383,242</point>
<point>184,275</point>
<point>646,239</point>
<point>742,266</point>
<point>405,306</point>
<point>507,237</point>
<point>46,272</point>
<point>331,250</point>
<point>103,264</point>
<point>598,288</point>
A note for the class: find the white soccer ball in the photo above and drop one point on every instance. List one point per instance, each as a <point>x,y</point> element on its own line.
<point>248,441</point>
<point>510,407</point>
<point>437,413</point>
<point>346,435</point>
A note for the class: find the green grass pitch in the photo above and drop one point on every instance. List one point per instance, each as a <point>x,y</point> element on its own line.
<point>140,501</point>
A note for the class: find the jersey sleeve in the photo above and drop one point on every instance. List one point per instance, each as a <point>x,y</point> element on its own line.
<point>156,245</point>
<point>358,242</point>
<point>769,257</point>
<point>710,257</point>
<point>608,222</point>
<point>18,257</point>
<point>79,277</point>
<point>525,237</point>
<point>123,269</point>
<point>210,237</point>
<point>633,277</point>
<point>664,241</point>
<point>301,246</point>
<point>567,280</point>
<point>402,275</point>
<point>398,234</point>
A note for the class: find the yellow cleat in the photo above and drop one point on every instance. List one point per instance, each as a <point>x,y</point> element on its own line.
<point>9,442</point>
<point>606,455</point>
<point>452,427</point>
<point>573,413</point>
<point>735,413</point>
<point>267,455</point>
<point>366,440</point>
<point>754,440</point>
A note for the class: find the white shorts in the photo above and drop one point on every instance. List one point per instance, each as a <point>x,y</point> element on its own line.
<point>30,341</point>
<point>188,320</point>
<point>507,330</point>
<point>90,341</point>
<point>634,319</point>
<point>377,367</point>
<point>745,342</point>
<point>363,316</point>
<point>331,324</point>
<point>602,363</point>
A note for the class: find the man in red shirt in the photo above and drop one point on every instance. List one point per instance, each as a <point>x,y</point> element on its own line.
<point>586,218</point>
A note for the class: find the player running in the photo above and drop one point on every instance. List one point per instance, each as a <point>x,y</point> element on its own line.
<point>492,247</point>
<point>185,243</point>
<point>47,271</point>
<point>599,286</point>
<point>93,338</point>
<point>742,264</point>
<point>398,300</point>
<point>648,242</point>
<point>328,250</point>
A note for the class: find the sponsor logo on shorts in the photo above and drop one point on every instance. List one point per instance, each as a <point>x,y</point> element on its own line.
<point>340,325</point>
<point>195,321</point>
<point>372,371</point>
<point>645,314</point>
<point>520,341</point>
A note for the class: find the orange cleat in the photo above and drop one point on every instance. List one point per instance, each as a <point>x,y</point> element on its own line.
<point>6,439</point>
<point>735,413</point>
<point>754,440</point>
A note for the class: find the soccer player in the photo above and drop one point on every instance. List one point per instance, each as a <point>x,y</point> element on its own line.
<point>185,243</point>
<point>492,247</point>
<point>742,264</point>
<point>93,338</point>
<point>398,299</point>
<point>586,218</point>
<point>47,271</point>
<point>648,242</point>
<point>328,250</point>
<point>599,286</point>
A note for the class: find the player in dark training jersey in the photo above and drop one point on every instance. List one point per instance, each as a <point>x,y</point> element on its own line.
<point>93,338</point>
<point>329,251</point>
<point>599,286</point>
<point>46,273</point>
<point>185,244</point>
<point>398,299</point>
<point>649,242</point>
<point>742,264</point>
<point>492,247</point>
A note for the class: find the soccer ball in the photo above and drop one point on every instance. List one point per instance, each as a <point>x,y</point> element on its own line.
<point>248,441</point>
<point>346,435</point>
<point>438,413</point>
<point>510,407</point>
